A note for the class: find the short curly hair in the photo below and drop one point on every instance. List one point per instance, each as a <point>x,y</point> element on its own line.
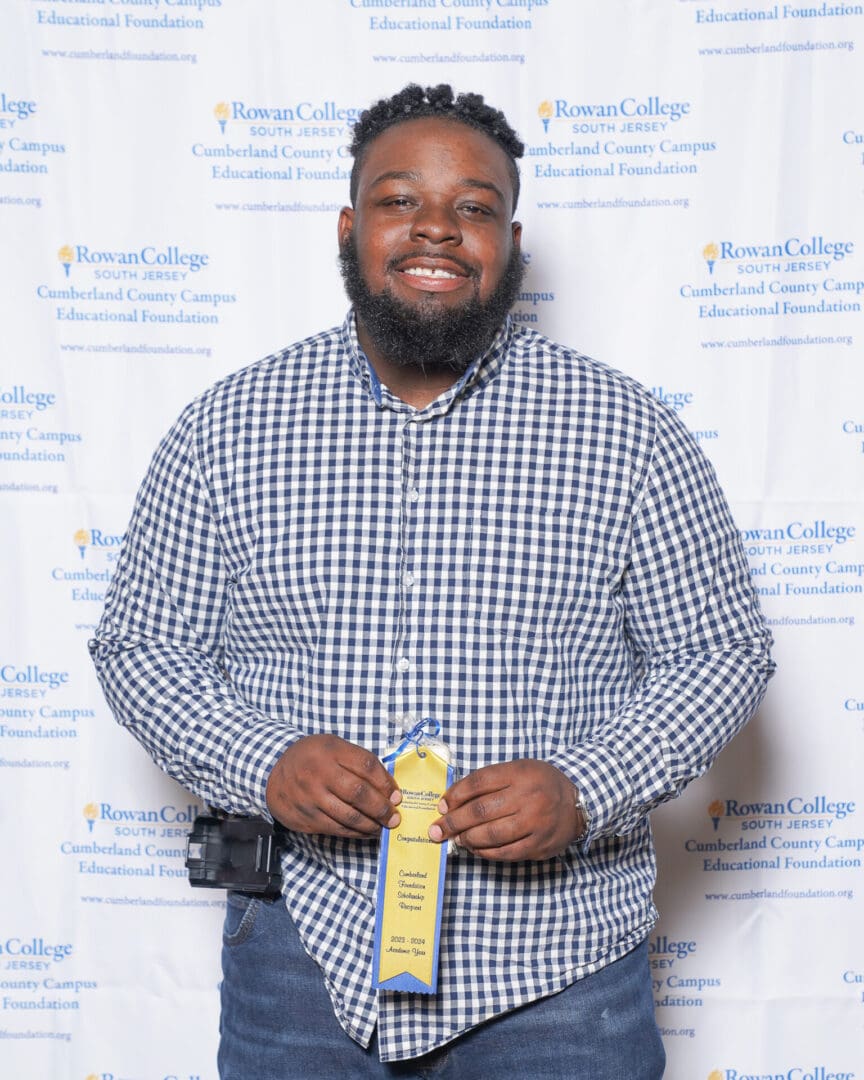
<point>413,103</point>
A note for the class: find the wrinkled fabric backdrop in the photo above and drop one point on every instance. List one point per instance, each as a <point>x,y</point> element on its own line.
<point>693,209</point>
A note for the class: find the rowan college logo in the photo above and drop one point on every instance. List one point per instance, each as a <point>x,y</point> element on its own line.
<point>222,113</point>
<point>716,810</point>
<point>91,813</point>
<point>711,253</point>
<point>545,111</point>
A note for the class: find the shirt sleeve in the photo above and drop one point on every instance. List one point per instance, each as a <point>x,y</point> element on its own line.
<point>699,644</point>
<point>157,648</point>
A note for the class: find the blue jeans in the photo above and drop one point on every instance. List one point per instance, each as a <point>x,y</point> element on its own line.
<point>278,1024</point>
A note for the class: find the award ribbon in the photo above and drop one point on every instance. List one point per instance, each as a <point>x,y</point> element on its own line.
<point>411,869</point>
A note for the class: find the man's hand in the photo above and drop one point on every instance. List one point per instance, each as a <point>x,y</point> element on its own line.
<point>323,784</point>
<point>517,810</point>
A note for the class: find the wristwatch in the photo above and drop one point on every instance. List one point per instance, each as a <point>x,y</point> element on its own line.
<point>586,823</point>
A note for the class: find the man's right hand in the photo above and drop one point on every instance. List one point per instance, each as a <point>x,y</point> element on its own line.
<point>323,784</point>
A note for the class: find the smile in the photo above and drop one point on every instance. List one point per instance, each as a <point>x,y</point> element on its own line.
<point>423,271</point>
<point>426,274</point>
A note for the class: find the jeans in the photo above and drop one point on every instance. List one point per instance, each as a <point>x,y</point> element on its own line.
<point>278,1024</point>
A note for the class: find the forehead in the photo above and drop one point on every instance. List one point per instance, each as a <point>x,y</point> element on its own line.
<point>430,146</point>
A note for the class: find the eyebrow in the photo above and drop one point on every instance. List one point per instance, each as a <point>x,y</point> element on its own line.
<point>484,185</point>
<point>466,182</point>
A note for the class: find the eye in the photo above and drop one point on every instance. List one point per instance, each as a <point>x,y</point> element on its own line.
<point>474,209</point>
<point>399,201</point>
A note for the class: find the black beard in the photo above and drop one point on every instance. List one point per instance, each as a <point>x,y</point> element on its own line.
<point>429,336</point>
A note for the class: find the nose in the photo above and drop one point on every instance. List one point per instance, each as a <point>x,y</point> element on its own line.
<point>437,223</point>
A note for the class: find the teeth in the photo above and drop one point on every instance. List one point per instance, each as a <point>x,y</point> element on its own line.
<point>422,271</point>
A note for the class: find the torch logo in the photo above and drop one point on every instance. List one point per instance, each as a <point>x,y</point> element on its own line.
<point>66,257</point>
<point>715,810</point>
<point>710,254</point>
<point>82,539</point>
<point>91,813</point>
<point>222,112</point>
<point>545,112</point>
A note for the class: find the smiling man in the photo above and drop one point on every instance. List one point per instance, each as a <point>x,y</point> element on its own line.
<point>440,266</point>
<point>431,512</point>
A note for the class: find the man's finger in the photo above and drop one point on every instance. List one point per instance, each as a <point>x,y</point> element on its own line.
<point>346,820</point>
<point>516,852</point>
<point>360,795</point>
<point>323,784</point>
<point>484,781</point>
<point>366,767</point>
<point>501,833</point>
<point>486,810</point>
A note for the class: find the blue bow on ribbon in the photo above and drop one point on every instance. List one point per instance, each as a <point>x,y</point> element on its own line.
<point>423,729</point>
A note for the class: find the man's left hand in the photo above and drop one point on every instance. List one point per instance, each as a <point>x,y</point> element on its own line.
<point>516,810</point>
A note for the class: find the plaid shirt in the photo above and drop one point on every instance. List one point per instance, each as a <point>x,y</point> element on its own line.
<point>540,559</point>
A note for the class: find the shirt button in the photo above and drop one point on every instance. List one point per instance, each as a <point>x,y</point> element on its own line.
<point>403,664</point>
<point>413,494</point>
<point>408,579</point>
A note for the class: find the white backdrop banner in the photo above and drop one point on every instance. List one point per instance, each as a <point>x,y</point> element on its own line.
<point>693,209</point>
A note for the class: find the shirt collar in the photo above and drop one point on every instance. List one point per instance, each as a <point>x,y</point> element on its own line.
<point>484,368</point>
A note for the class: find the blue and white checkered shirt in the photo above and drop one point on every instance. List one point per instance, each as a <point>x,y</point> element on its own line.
<point>540,559</point>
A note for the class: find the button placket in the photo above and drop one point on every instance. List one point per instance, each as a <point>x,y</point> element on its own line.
<point>410,598</point>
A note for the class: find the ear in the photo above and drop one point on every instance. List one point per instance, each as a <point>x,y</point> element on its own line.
<point>516,228</point>
<point>346,225</point>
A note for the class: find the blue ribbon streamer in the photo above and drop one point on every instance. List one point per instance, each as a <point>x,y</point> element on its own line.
<point>423,729</point>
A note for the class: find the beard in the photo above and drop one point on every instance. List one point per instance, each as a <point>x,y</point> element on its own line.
<point>428,335</point>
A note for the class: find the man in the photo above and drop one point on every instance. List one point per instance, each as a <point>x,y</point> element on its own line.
<point>430,512</point>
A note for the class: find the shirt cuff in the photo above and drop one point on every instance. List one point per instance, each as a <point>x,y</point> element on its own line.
<point>605,789</point>
<point>250,761</point>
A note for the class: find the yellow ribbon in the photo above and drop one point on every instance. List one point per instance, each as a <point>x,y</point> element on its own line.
<point>413,871</point>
